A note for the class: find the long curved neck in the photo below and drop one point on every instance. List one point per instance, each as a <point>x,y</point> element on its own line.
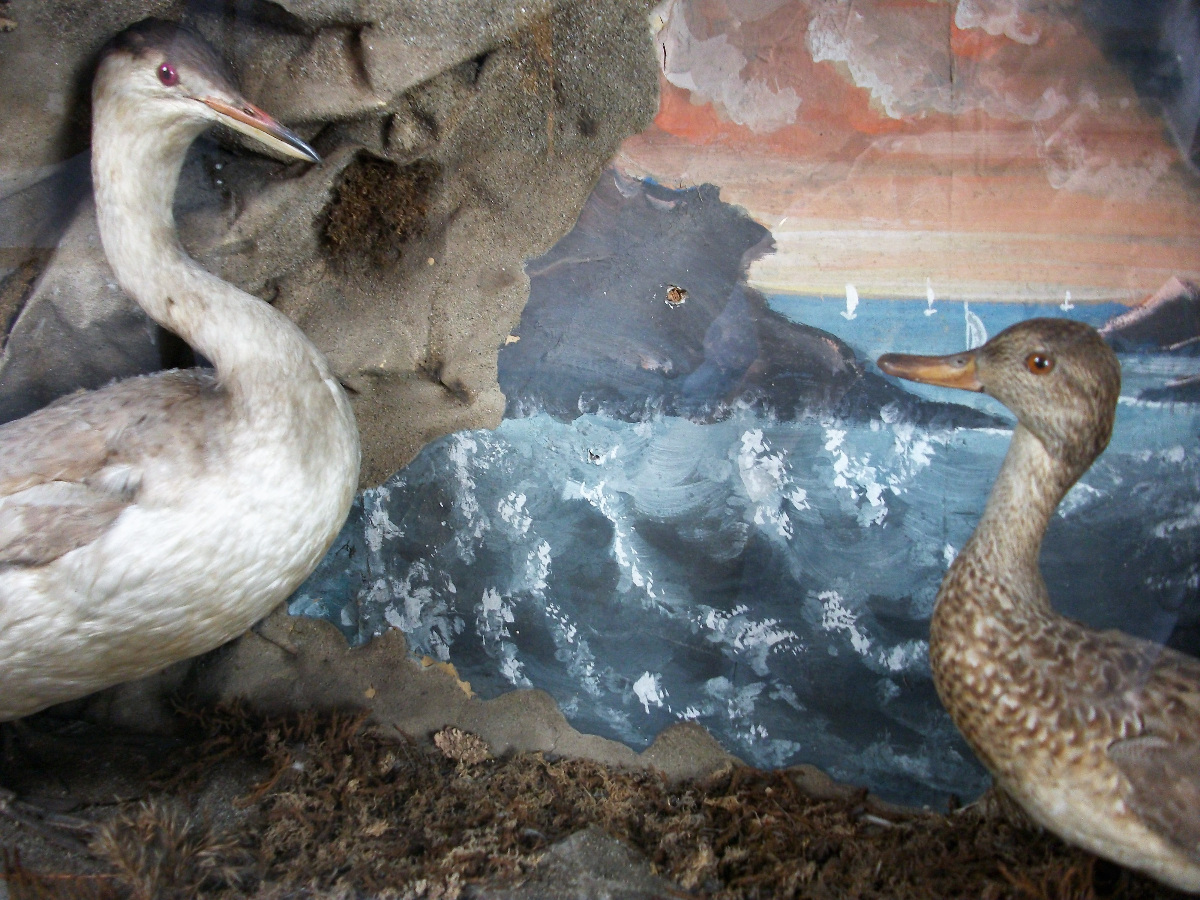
<point>996,577</point>
<point>135,170</point>
<point>1028,489</point>
<point>993,599</point>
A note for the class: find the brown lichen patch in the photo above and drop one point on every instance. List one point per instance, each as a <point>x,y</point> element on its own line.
<point>17,285</point>
<point>376,208</point>
<point>539,76</point>
<point>448,667</point>
<point>341,809</point>
<point>464,748</point>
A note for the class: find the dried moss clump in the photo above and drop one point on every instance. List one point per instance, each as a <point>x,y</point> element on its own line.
<point>346,810</point>
<point>378,207</point>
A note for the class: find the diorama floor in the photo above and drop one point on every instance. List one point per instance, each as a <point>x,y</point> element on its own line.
<point>240,805</point>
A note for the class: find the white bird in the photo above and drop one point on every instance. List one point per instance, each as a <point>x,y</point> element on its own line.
<point>159,517</point>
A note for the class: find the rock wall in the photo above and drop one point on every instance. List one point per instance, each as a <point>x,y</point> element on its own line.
<point>459,139</point>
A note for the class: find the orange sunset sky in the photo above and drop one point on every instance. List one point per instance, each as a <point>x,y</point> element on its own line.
<point>984,148</point>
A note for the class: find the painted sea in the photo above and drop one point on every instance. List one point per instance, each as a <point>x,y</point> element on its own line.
<point>770,579</point>
<point>719,510</point>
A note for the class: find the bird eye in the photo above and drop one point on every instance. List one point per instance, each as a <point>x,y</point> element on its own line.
<point>1039,363</point>
<point>167,74</point>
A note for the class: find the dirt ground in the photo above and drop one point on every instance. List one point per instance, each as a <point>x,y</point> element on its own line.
<point>240,805</point>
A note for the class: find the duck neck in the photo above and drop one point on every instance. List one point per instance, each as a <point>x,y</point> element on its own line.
<point>135,170</point>
<point>1008,538</point>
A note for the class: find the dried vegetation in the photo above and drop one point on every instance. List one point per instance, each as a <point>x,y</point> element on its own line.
<point>377,208</point>
<point>339,809</point>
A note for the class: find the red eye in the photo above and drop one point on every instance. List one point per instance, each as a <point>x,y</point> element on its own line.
<point>167,74</point>
<point>1039,363</point>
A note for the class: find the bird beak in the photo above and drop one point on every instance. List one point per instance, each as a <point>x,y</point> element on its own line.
<point>254,123</point>
<point>955,371</point>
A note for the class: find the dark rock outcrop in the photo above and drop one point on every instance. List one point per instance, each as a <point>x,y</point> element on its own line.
<point>644,308</point>
<point>1167,320</point>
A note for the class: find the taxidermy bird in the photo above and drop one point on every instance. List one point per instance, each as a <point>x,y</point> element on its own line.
<point>160,516</point>
<point>1095,733</point>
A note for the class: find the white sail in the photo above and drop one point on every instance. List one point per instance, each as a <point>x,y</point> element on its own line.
<point>851,302</point>
<point>929,297</point>
<point>1066,305</point>
<point>976,334</point>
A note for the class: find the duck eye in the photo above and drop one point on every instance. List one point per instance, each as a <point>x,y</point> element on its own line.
<point>167,74</point>
<point>1039,363</point>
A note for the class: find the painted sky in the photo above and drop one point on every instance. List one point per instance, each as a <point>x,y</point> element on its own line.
<point>986,149</point>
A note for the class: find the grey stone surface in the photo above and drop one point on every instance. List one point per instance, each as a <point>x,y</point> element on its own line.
<point>291,663</point>
<point>516,105</point>
<point>45,67</point>
<point>588,865</point>
<point>76,329</point>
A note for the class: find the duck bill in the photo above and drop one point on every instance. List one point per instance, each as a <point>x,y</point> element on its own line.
<point>955,371</point>
<point>254,123</point>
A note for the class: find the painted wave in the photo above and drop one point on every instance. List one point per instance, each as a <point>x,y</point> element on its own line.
<point>772,580</point>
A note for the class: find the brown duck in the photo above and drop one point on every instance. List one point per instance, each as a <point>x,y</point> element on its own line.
<point>1095,733</point>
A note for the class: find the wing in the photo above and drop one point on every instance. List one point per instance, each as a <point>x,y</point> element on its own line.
<point>1166,787</point>
<point>52,444</point>
<point>41,523</point>
<point>1163,763</point>
<point>68,471</point>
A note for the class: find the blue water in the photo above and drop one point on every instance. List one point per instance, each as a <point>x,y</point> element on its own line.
<point>770,580</point>
<point>902,326</point>
<point>884,326</point>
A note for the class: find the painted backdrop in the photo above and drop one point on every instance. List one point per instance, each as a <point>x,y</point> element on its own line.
<point>705,502</point>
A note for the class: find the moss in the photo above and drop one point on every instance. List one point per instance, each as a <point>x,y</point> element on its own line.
<point>376,208</point>
<point>344,810</point>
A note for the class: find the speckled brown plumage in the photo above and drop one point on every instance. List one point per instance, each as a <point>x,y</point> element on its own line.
<point>1096,734</point>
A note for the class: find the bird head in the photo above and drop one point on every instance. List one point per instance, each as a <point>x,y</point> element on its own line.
<point>1057,376</point>
<point>166,73</point>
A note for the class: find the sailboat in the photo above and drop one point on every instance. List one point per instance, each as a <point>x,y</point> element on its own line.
<point>976,334</point>
<point>929,298</point>
<point>851,303</point>
<point>1066,305</point>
